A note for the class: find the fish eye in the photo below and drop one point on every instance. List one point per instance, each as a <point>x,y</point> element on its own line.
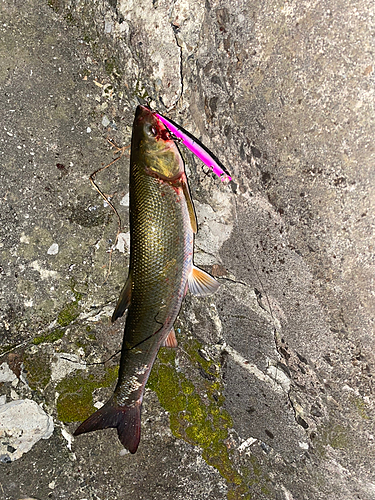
<point>150,130</point>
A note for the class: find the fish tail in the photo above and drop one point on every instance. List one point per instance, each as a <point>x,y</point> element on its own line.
<point>127,420</point>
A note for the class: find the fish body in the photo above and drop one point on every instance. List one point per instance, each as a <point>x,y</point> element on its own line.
<point>162,227</point>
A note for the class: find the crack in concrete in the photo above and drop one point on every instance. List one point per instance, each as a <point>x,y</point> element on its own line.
<point>175,31</point>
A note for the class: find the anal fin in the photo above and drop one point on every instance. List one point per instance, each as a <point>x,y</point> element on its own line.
<point>171,340</point>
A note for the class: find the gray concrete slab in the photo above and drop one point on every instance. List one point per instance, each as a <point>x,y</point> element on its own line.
<point>270,392</point>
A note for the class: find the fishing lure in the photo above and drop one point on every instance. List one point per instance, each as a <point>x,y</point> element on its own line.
<point>197,148</point>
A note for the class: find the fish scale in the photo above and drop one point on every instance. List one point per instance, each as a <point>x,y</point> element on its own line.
<point>161,242</point>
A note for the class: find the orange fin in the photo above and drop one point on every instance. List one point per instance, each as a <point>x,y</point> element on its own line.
<point>171,340</point>
<point>124,300</point>
<point>190,206</point>
<point>201,283</point>
<point>127,420</point>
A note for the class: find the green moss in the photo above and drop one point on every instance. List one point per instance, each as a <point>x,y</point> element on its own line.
<point>111,67</point>
<point>334,435</point>
<point>71,310</point>
<point>54,4</point>
<point>338,438</point>
<point>68,314</point>
<point>140,91</point>
<point>361,407</point>
<point>50,337</point>
<point>86,72</point>
<point>86,38</point>
<point>75,393</point>
<point>38,370</point>
<point>196,413</point>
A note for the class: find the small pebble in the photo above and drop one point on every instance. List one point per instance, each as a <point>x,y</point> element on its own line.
<point>105,121</point>
<point>53,249</point>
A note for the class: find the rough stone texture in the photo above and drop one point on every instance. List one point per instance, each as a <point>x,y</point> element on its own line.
<point>22,424</point>
<point>270,394</point>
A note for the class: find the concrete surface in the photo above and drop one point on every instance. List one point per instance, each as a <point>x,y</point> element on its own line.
<point>270,393</point>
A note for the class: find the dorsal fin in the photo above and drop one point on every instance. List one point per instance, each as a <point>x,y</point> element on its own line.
<point>190,206</point>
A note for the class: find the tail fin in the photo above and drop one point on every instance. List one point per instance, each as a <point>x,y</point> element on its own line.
<point>127,420</point>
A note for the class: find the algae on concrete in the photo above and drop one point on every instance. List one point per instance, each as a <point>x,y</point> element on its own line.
<point>37,369</point>
<point>195,407</point>
<point>75,393</point>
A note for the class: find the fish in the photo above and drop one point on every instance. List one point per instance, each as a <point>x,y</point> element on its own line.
<point>161,270</point>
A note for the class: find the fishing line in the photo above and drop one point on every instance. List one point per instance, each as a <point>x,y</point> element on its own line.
<point>251,263</point>
<point>126,349</point>
<point>144,340</point>
<point>96,362</point>
<point>103,362</point>
<point>147,338</point>
<point>119,351</point>
<point>260,282</point>
<point>223,278</point>
<point>209,171</point>
<point>92,177</point>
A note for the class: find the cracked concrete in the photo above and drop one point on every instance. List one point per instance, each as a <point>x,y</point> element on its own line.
<point>270,393</point>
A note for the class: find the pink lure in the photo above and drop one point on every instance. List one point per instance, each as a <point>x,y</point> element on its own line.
<point>191,143</point>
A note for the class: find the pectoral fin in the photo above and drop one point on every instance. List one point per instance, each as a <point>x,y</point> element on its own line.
<point>190,206</point>
<point>201,283</point>
<point>123,301</point>
<point>171,340</point>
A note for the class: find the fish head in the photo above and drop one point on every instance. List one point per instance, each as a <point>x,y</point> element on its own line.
<point>153,147</point>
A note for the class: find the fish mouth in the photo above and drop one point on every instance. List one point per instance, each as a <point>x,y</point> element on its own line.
<point>143,113</point>
<point>142,109</point>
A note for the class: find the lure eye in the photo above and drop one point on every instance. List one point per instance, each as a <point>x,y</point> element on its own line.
<point>150,130</point>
